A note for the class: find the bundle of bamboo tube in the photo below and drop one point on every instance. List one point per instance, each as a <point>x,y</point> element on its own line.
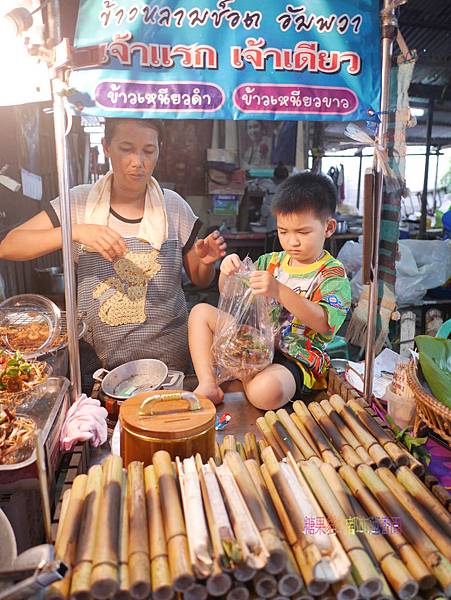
<point>276,518</point>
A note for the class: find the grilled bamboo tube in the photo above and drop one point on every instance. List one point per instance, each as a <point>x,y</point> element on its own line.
<point>374,449</point>
<point>238,592</point>
<point>104,577</point>
<point>304,419</point>
<point>196,592</point>
<point>422,517</point>
<point>386,440</point>
<point>251,448</point>
<point>346,433</point>
<point>262,444</point>
<point>218,457</point>
<point>263,426</point>
<point>304,447</point>
<point>434,560</point>
<point>159,561</point>
<point>334,436</point>
<point>291,582</point>
<point>409,555</point>
<point>138,543</point>
<point>81,574</point>
<point>174,525</point>
<point>277,556</point>
<point>257,477</point>
<point>282,436</point>
<point>417,467</point>
<point>67,536</point>
<point>421,493</point>
<point>265,585</point>
<point>228,443</point>
<point>123,592</point>
<point>346,589</point>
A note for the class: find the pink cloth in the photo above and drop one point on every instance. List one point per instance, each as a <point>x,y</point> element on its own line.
<point>85,421</point>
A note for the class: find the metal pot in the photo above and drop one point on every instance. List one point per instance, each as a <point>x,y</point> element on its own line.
<point>342,226</point>
<point>132,378</point>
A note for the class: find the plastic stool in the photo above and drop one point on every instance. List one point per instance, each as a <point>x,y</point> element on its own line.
<point>338,348</point>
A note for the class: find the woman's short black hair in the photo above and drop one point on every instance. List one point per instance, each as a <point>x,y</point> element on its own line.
<point>112,123</point>
<point>306,192</point>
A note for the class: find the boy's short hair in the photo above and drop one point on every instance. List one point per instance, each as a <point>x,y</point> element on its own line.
<point>112,122</point>
<point>306,192</point>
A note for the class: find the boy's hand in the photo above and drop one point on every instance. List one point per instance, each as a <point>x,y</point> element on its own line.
<point>210,249</point>
<point>230,265</point>
<point>264,284</point>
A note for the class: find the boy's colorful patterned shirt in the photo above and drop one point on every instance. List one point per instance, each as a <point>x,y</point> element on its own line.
<point>323,282</point>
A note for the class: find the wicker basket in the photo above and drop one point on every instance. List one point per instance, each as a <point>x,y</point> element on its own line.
<point>429,410</point>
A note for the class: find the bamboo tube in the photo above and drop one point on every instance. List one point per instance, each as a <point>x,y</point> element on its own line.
<point>304,419</point>
<point>219,582</point>
<point>217,457</point>
<point>417,467</point>
<point>238,592</point>
<point>428,551</point>
<point>265,585</point>
<point>243,573</point>
<point>159,562</point>
<point>421,493</point>
<point>225,547</point>
<point>67,536</point>
<point>277,556</point>
<point>346,433</point>
<point>263,426</point>
<point>306,450</point>
<point>299,410</point>
<point>333,435</point>
<point>346,589</point>
<point>315,587</point>
<point>442,495</point>
<point>123,593</point>
<point>64,506</point>
<point>262,444</point>
<point>251,448</point>
<point>260,485</point>
<point>196,524</point>
<point>422,517</point>
<point>282,436</point>
<point>363,570</point>
<point>386,439</point>
<point>409,555</point>
<point>291,582</point>
<point>251,543</point>
<point>240,450</point>
<point>196,592</point>
<point>81,574</point>
<point>228,443</point>
<point>374,449</point>
<point>174,525</point>
<point>138,543</point>
<point>104,576</point>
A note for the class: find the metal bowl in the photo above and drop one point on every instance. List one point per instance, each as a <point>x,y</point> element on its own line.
<point>132,378</point>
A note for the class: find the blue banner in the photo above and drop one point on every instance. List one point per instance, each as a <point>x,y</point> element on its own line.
<point>230,59</point>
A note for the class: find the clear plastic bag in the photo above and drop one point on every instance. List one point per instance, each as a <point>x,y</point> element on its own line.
<point>243,342</point>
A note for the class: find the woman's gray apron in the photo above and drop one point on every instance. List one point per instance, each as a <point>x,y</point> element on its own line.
<point>135,307</point>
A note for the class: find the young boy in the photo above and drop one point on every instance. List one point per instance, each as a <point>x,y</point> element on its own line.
<point>309,289</point>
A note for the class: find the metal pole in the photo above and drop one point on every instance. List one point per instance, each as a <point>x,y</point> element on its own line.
<point>437,157</point>
<point>388,34</point>
<point>59,119</point>
<point>359,183</point>
<point>424,195</point>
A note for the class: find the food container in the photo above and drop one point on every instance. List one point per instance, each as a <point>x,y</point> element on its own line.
<point>142,375</point>
<point>180,422</point>
<point>400,408</point>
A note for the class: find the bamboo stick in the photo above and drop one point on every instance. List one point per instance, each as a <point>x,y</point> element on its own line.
<point>282,436</point>
<point>304,419</point>
<point>159,561</point>
<point>265,585</point>
<point>123,593</point>
<point>434,560</point>
<point>67,536</point>
<point>104,576</point>
<point>386,439</point>
<point>81,574</point>
<point>217,457</point>
<point>419,491</point>
<point>251,448</point>
<point>374,449</point>
<point>409,555</point>
<point>174,526</point>
<point>277,556</point>
<point>257,477</point>
<point>196,525</point>
<point>304,447</point>
<point>346,433</point>
<point>263,426</point>
<point>422,517</point>
<point>333,435</point>
<point>138,543</point>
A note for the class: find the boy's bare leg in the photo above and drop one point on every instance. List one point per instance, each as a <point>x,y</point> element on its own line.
<point>271,388</point>
<point>201,327</point>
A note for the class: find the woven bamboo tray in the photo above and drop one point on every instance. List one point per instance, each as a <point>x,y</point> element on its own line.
<point>429,410</point>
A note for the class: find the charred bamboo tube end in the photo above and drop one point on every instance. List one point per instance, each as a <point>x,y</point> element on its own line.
<point>244,573</point>
<point>289,584</point>
<point>164,592</point>
<point>317,588</point>
<point>277,561</point>
<point>219,584</point>
<point>239,592</point>
<point>265,585</point>
<point>182,583</point>
<point>347,592</point>
<point>196,592</point>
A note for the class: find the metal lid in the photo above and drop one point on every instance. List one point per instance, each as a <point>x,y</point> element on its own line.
<point>29,324</point>
<point>167,414</point>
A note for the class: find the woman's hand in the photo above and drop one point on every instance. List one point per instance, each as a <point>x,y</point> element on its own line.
<point>230,265</point>
<point>101,239</point>
<point>210,249</point>
<point>264,284</point>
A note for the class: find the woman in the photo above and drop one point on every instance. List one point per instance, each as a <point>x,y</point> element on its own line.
<point>132,240</point>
